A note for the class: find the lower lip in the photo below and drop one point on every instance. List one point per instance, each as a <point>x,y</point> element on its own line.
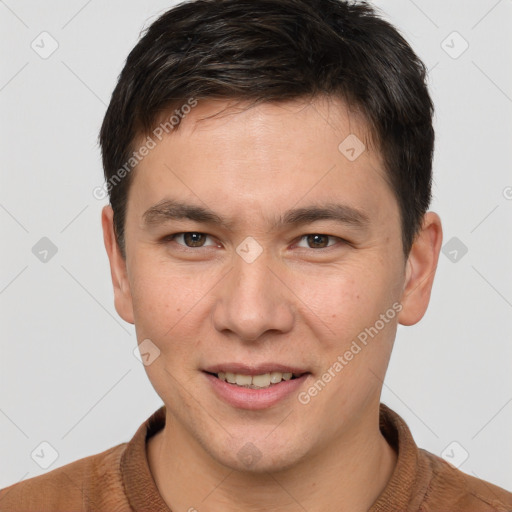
<point>255,399</point>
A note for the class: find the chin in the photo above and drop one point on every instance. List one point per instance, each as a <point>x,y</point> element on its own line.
<point>258,459</point>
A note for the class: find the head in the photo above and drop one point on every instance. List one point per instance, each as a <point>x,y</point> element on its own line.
<point>269,170</point>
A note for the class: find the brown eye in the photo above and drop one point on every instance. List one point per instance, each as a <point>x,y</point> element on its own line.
<point>317,241</point>
<point>194,239</point>
<point>190,239</point>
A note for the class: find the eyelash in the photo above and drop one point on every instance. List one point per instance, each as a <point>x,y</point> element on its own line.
<point>171,238</point>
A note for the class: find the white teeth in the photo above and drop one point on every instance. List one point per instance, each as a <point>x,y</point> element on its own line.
<point>255,381</point>
<point>243,380</point>
<point>276,377</point>
<point>262,381</point>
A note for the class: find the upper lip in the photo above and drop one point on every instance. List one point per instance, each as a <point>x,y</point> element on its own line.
<point>259,369</point>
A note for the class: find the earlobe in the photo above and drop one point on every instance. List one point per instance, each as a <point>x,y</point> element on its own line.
<point>122,294</point>
<point>420,270</point>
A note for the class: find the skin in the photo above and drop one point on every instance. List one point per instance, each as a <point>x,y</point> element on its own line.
<point>296,304</point>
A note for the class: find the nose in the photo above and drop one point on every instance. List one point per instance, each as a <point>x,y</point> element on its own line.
<point>252,300</point>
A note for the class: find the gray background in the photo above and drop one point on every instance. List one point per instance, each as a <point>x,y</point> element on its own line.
<point>67,369</point>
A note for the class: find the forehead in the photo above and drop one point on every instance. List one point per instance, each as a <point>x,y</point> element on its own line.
<point>300,117</point>
<point>246,158</point>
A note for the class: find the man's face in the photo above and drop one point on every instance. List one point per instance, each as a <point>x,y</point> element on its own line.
<point>257,293</point>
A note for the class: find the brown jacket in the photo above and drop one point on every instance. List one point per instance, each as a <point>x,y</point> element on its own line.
<point>119,479</point>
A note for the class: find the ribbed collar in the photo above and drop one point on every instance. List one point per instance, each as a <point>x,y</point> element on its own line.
<point>408,484</point>
<point>139,485</point>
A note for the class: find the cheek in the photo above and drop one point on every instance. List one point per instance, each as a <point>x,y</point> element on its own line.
<point>163,301</point>
<point>166,308</point>
<point>346,299</point>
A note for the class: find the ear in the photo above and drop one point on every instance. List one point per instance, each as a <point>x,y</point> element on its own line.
<point>420,270</point>
<point>122,294</point>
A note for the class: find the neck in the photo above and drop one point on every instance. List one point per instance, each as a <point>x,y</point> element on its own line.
<point>348,475</point>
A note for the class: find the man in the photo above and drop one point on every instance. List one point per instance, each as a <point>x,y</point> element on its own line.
<point>269,170</point>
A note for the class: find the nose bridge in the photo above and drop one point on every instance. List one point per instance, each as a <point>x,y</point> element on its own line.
<point>252,300</point>
<point>251,279</point>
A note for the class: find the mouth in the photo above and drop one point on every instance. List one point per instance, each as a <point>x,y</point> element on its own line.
<point>260,381</point>
<point>255,387</point>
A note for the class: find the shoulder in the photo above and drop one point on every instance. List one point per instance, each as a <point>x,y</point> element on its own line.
<point>91,483</point>
<point>452,488</point>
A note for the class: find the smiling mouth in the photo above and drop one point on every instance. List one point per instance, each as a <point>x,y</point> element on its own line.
<point>262,381</point>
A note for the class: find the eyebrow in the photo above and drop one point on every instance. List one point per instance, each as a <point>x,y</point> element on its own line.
<point>170,209</point>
